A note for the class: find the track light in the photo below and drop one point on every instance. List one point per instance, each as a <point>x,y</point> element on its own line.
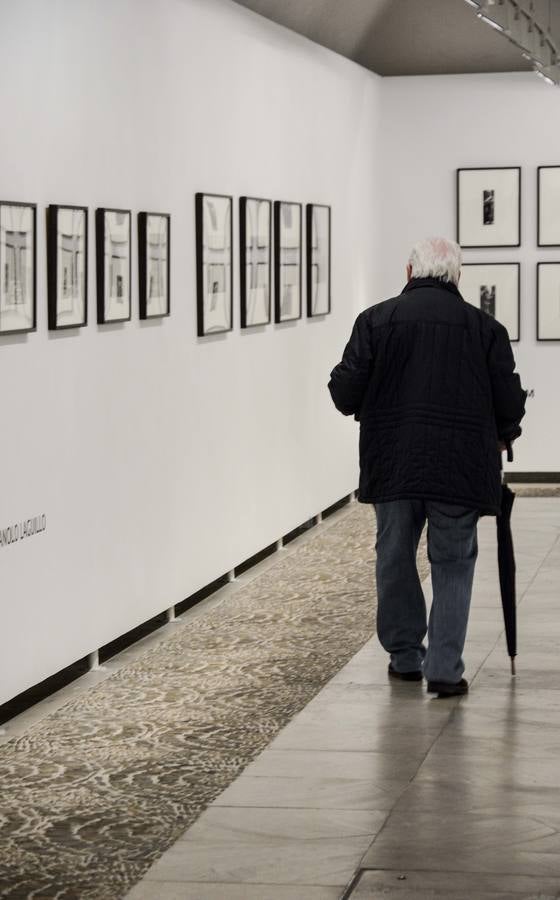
<point>522,23</point>
<point>545,77</point>
<point>489,21</point>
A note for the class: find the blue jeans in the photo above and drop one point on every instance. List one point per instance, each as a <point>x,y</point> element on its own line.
<point>401,610</point>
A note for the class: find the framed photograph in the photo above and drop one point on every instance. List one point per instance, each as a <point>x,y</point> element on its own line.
<point>67,269</point>
<point>113,228</point>
<point>154,257</point>
<point>18,275</point>
<point>548,301</point>
<point>287,261</point>
<point>318,233</point>
<point>548,206</point>
<point>494,288</point>
<point>489,207</point>
<point>214,263</point>
<point>255,244</point>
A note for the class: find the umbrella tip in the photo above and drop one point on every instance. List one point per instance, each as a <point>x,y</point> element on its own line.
<point>513,672</point>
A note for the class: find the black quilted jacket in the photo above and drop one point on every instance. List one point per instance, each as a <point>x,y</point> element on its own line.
<point>431,380</point>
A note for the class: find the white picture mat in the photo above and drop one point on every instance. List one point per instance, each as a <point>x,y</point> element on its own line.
<point>289,271</point>
<point>549,205</point>
<point>320,260</point>
<point>70,266</point>
<point>257,261</point>
<point>16,268</point>
<point>548,321</point>
<point>157,252</point>
<point>505,230</point>
<point>505,278</point>
<point>216,250</point>
<point>117,266</point>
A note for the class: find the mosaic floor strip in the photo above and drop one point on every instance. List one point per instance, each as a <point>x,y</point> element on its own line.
<point>92,795</point>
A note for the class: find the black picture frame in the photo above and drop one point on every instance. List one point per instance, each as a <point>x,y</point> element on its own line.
<point>310,264</point>
<point>55,314</point>
<point>246,320</point>
<point>484,246</point>
<point>100,234</point>
<point>541,243</point>
<point>279,264</point>
<point>538,329</point>
<point>223,260</point>
<point>517,266</point>
<point>5,270</point>
<point>143,282</point>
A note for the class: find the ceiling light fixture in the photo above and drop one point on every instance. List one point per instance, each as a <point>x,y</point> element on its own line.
<point>489,21</point>
<point>532,59</point>
<point>545,77</point>
<point>524,24</point>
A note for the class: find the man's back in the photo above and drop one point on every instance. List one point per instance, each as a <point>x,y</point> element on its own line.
<point>431,380</point>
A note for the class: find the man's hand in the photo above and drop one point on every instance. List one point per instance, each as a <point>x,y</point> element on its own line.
<point>501,446</point>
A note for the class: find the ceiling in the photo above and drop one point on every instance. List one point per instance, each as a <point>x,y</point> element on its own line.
<point>399,37</point>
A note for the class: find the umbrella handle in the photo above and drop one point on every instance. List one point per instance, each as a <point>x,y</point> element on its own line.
<point>513,672</point>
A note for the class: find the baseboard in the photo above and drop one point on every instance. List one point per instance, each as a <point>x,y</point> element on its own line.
<point>33,695</point>
<point>532,477</point>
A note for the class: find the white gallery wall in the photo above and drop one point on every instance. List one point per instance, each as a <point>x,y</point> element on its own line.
<point>431,126</point>
<point>159,459</point>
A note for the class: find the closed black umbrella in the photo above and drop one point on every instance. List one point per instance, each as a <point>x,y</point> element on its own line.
<point>506,567</point>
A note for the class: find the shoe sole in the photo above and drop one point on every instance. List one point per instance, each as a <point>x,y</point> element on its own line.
<point>443,690</point>
<point>405,676</point>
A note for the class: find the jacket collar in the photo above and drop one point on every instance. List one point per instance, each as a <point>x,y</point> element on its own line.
<point>431,283</point>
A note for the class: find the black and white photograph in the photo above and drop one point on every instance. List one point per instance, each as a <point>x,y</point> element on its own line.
<point>113,245</point>
<point>548,206</point>
<point>214,263</point>
<point>18,229</point>
<point>255,243</point>
<point>287,260</point>
<point>548,301</point>
<point>494,288</point>
<point>318,233</point>
<point>489,207</point>
<point>488,299</point>
<point>154,257</point>
<point>67,258</point>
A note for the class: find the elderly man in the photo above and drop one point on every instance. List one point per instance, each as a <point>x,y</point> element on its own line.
<point>431,380</point>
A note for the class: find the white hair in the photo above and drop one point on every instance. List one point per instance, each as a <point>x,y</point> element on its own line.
<point>436,258</point>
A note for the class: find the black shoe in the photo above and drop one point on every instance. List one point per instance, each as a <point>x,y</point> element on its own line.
<point>415,675</point>
<point>448,689</point>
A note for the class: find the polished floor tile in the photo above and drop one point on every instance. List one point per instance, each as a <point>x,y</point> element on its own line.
<point>270,846</point>
<point>440,796</point>
<point>377,767</point>
<point>411,885</point>
<point>228,891</point>
<point>467,842</point>
<point>312,793</point>
<point>357,733</point>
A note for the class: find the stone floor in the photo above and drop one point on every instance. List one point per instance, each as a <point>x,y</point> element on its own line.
<point>376,790</point>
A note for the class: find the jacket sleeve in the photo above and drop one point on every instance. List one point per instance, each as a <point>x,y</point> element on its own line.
<point>349,379</point>
<point>508,395</point>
